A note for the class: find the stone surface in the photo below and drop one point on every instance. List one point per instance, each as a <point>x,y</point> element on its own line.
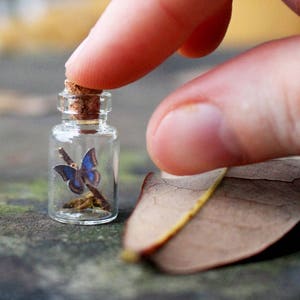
<point>43,259</point>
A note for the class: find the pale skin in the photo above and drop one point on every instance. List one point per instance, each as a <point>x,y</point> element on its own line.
<point>246,110</point>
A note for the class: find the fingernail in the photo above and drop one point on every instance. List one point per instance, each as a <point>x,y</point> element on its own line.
<point>73,58</point>
<point>192,139</point>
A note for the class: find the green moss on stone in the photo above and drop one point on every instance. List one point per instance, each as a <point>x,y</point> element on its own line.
<point>131,166</point>
<point>13,209</point>
<point>36,190</point>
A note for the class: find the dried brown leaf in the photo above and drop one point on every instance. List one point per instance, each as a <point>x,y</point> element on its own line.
<point>161,207</point>
<point>253,207</point>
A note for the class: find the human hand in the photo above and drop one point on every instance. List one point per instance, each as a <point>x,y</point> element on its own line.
<point>243,111</point>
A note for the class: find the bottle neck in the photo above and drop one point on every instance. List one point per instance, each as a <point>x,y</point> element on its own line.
<point>70,119</point>
<point>84,110</point>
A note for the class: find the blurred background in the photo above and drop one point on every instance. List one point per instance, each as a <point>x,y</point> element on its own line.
<point>36,38</point>
<point>55,26</point>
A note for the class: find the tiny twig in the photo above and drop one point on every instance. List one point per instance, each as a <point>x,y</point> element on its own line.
<point>104,204</point>
<point>64,155</point>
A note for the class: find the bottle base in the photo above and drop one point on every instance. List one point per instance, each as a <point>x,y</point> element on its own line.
<point>82,218</point>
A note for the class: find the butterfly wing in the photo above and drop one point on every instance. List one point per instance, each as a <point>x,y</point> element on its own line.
<point>88,168</point>
<point>89,160</point>
<point>92,177</point>
<point>73,177</point>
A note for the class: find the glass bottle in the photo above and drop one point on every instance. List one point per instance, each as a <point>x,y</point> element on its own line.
<point>83,161</point>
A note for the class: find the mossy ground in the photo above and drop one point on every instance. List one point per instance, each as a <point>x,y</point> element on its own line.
<point>84,262</point>
<point>43,259</point>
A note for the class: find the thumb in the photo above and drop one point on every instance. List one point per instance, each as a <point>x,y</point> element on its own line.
<point>244,111</point>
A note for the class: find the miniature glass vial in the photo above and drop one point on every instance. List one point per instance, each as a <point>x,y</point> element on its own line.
<point>83,161</point>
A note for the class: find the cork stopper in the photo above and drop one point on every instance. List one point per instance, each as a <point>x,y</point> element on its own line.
<point>75,89</point>
<point>85,103</point>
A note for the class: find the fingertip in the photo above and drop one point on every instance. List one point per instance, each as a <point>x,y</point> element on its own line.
<point>209,34</point>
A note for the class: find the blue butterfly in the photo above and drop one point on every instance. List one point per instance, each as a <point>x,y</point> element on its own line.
<point>78,178</point>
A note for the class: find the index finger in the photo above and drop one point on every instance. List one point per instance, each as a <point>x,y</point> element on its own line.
<point>132,37</point>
